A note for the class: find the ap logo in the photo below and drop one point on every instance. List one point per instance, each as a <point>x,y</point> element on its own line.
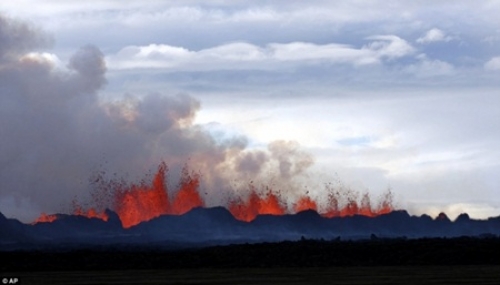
<point>10,280</point>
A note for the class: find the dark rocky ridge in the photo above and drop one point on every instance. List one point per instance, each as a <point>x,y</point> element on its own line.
<point>216,226</point>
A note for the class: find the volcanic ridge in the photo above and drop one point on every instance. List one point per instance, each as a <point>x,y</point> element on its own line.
<point>216,226</point>
<point>145,214</point>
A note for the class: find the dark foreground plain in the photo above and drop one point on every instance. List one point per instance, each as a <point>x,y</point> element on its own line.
<point>464,260</point>
<point>477,274</point>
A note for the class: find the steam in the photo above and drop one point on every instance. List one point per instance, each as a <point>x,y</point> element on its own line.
<point>55,132</point>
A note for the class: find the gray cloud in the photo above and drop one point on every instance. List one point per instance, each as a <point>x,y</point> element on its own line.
<point>291,159</point>
<point>56,132</point>
<point>258,22</point>
<point>252,162</point>
<point>40,118</point>
<point>17,37</point>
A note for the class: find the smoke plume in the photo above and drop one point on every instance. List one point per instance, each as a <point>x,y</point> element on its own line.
<point>56,132</point>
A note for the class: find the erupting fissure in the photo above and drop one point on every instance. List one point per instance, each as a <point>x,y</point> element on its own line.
<point>267,204</point>
<point>137,203</point>
<point>44,218</point>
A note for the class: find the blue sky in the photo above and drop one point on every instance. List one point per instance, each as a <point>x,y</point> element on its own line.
<point>399,94</point>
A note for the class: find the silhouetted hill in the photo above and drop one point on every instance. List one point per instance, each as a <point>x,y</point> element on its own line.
<point>12,231</point>
<point>209,226</point>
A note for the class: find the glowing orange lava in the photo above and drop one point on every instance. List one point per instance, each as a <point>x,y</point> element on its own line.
<point>256,205</point>
<point>44,218</point>
<point>141,203</point>
<point>91,213</point>
<point>187,197</point>
<point>352,208</point>
<point>270,205</point>
<point>138,203</point>
<point>305,203</point>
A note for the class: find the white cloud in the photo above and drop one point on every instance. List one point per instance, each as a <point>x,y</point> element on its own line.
<point>153,56</point>
<point>241,55</point>
<point>298,51</point>
<point>434,35</point>
<point>493,64</point>
<point>234,52</point>
<point>426,67</point>
<point>390,46</point>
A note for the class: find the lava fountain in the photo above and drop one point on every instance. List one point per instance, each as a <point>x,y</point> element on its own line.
<point>136,203</point>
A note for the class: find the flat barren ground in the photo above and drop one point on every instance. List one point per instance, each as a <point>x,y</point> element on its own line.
<point>325,275</point>
<point>393,261</point>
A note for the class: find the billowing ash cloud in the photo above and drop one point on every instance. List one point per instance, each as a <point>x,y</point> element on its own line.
<point>55,132</point>
<point>17,37</point>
